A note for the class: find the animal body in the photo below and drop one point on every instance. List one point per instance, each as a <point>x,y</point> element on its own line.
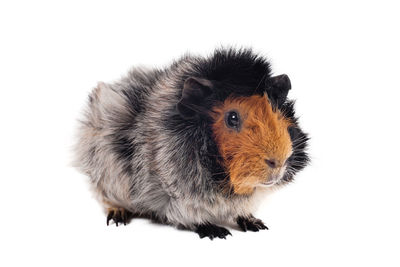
<point>194,145</point>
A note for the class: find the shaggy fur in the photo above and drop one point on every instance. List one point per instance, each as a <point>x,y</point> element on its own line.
<point>154,145</point>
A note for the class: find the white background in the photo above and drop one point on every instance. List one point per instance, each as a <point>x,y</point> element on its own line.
<point>343,60</point>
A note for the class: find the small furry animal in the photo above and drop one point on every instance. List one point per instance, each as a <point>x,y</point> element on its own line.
<point>194,145</point>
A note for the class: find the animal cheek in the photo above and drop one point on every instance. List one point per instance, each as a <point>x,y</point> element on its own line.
<point>245,176</point>
<point>242,185</point>
<point>243,190</point>
<point>237,178</point>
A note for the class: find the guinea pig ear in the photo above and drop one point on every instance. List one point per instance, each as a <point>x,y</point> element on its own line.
<point>278,90</point>
<point>194,92</point>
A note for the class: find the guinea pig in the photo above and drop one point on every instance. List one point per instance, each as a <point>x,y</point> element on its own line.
<point>194,145</point>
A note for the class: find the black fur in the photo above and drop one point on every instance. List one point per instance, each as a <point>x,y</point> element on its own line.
<point>124,148</point>
<point>238,72</point>
<point>230,72</point>
<point>299,159</point>
<point>122,144</point>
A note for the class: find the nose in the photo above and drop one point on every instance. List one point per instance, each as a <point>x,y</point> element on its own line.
<point>272,163</point>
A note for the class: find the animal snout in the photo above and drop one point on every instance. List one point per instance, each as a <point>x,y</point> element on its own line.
<point>272,163</point>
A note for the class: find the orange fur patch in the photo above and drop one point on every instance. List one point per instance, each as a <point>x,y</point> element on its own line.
<point>263,135</point>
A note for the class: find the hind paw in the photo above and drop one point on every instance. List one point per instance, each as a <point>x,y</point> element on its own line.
<point>118,215</point>
<point>212,231</point>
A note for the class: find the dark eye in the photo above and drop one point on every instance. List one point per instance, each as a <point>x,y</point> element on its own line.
<point>232,120</point>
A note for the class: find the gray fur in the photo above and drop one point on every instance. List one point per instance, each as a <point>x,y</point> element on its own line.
<point>164,175</point>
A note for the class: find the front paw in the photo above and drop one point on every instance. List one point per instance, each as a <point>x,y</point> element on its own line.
<point>251,224</point>
<point>212,231</point>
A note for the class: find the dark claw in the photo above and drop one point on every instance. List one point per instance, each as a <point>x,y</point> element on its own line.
<point>223,233</point>
<point>261,225</point>
<point>118,216</point>
<point>242,224</point>
<point>125,219</point>
<point>212,231</point>
<point>109,216</point>
<point>250,223</point>
<point>252,227</point>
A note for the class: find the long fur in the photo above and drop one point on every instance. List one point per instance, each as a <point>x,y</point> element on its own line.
<point>143,156</point>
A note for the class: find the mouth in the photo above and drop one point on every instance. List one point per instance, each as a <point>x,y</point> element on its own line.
<point>271,182</point>
<point>268,184</point>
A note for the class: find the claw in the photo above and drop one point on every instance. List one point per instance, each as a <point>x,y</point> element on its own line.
<point>251,223</point>
<point>118,215</point>
<point>109,216</point>
<point>212,231</point>
<point>125,217</point>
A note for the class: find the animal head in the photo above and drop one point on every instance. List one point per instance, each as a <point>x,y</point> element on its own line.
<point>253,140</point>
<point>251,122</point>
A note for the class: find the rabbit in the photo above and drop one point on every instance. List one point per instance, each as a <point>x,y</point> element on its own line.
<point>195,145</point>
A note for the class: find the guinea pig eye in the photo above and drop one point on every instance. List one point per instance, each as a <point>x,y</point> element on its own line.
<point>232,120</point>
